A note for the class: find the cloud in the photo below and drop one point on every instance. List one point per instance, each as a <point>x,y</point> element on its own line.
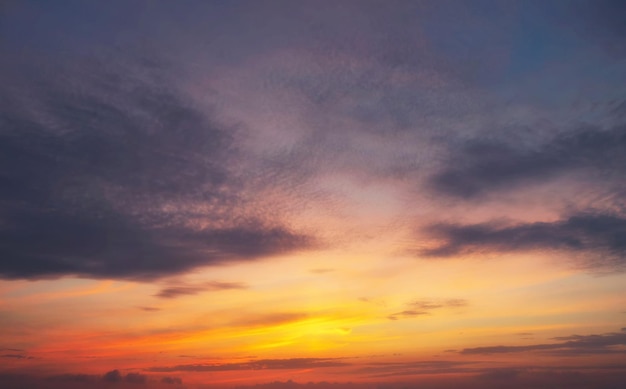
<point>184,290</point>
<point>479,167</point>
<point>611,343</point>
<point>135,378</point>
<point>109,171</point>
<point>424,307</point>
<point>172,380</point>
<point>407,313</point>
<point>16,356</point>
<point>270,319</point>
<point>261,364</point>
<point>149,309</point>
<point>601,237</point>
<point>435,304</point>
<point>112,376</point>
<point>505,374</point>
<point>322,270</point>
<point>80,378</point>
<point>393,369</point>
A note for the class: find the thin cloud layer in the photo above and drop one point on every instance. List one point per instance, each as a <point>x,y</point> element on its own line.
<point>261,364</point>
<point>612,343</point>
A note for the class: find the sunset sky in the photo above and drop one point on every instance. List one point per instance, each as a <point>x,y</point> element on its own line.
<point>373,194</point>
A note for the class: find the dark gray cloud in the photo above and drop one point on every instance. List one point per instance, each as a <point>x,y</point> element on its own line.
<point>103,165</point>
<point>601,238</point>
<point>180,290</point>
<point>112,376</point>
<point>603,25</point>
<point>261,364</point>
<point>77,378</point>
<point>136,378</point>
<point>611,343</point>
<point>480,167</point>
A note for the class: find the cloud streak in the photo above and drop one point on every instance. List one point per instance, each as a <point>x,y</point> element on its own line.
<point>600,237</point>
<point>176,291</point>
<point>425,307</point>
<point>261,364</point>
<point>611,343</point>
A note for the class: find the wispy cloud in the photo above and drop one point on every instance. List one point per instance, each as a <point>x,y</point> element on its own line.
<point>16,356</point>
<point>425,307</point>
<point>180,290</point>
<point>260,364</point>
<point>611,343</point>
<point>322,270</point>
<point>270,319</point>
<point>149,309</point>
<point>391,369</point>
<point>407,313</point>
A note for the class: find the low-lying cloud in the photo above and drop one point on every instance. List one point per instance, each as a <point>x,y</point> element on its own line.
<point>261,364</point>
<point>611,343</point>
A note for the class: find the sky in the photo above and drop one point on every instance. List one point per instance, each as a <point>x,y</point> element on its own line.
<point>312,194</point>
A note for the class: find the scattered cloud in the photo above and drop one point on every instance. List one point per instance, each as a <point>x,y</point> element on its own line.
<point>180,290</point>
